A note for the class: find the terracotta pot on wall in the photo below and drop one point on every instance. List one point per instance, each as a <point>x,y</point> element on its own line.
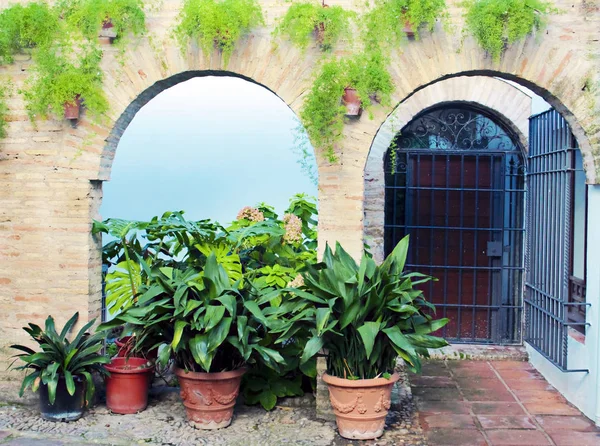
<point>127,385</point>
<point>351,101</point>
<point>408,29</point>
<point>320,30</point>
<point>73,108</point>
<point>209,397</point>
<point>108,30</point>
<point>360,406</point>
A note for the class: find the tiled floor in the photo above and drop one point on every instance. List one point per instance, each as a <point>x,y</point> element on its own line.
<point>496,403</point>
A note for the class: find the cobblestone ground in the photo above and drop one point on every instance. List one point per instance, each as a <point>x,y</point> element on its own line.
<point>164,423</point>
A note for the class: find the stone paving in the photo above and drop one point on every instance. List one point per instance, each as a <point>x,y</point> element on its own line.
<point>495,403</point>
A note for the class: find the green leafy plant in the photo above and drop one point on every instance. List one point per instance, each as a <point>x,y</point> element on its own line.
<point>264,386</point>
<point>4,94</point>
<point>27,26</point>
<point>213,23</point>
<point>364,315</point>
<point>60,358</point>
<point>88,16</point>
<point>58,79</point>
<point>384,24</point>
<point>304,20</point>
<point>323,113</point>
<point>498,23</point>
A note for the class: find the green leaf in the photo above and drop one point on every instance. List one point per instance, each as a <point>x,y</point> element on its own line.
<point>322,319</point>
<point>69,382</point>
<point>368,332</point>
<point>199,349</point>
<point>213,316</point>
<point>179,326</point>
<point>312,347</point>
<point>268,400</point>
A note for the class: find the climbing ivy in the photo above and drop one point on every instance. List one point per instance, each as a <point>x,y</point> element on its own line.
<point>495,24</point>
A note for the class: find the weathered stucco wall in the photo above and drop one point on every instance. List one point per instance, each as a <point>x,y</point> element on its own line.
<point>51,174</point>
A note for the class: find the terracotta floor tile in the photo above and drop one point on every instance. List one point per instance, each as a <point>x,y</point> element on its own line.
<point>455,437</point>
<point>506,422</point>
<point>478,383</point>
<point>539,396</point>
<point>520,374</point>
<point>517,437</point>
<point>434,369</point>
<point>565,422</point>
<point>446,421</point>
<point>497,408</point>
<point>471,365</point>
<point>474,373</point>
<point>432,381</point>
<point>487,395</point>
<point>437,394</point>
<point>528,384</point>
<point>551,408</point>
<point>573,438</point>
<point>456,407</point>
<point>512,365</point>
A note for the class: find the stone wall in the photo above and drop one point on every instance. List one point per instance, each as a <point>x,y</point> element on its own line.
<point>51,173</point>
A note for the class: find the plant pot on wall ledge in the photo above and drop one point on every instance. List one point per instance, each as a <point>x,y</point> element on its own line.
<point>108,30</point>
<point>320,30</point>
<point>73,108</point>
<point>409,29</point>
<point>352,102</point>
<point>360,406</point>
<point>209,397</point>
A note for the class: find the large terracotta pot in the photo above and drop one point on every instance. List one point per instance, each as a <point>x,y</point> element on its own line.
<point>209,397</point>
<point>360,406</point>
<point>127,385</point>
<point>352,102</point>
<point>73,108</point>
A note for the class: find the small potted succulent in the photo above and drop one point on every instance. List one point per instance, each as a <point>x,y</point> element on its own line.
<point>365,316</point>
<point>62,370</point>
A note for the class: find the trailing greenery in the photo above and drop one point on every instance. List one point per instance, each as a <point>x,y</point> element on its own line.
<point>32,25</point>
<point>88,16</point>
<point>384,24</point>
<point>214,23</point>
<point>4,93</point>
<point>58,79</point>
<point>498,23</point>
<point>60,358</point>
<point>304,20</point>
<point>323,113</point>
<point>364,315</point>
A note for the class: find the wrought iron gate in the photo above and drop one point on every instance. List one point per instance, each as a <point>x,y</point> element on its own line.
<point>455,183</point>
<point>551,169</point>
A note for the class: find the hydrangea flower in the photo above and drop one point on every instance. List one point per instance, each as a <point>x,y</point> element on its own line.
<point>293,228</point>
<point>250,213</point>
<point>297,282</point>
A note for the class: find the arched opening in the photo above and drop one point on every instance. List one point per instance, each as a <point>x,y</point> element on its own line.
<point>454,182</point>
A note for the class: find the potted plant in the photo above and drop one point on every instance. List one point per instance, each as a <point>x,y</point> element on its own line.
<point>58,84</point>
<point>364,316</point>
<point>127,384</point>
<point>215,23</point>
<point>303,20</point>
<point>32,25</point>
<point>112,19</point>
<point>335,93</point>
<point>389,22</point>
<point>62,370</point>
<point>4,94</point>
<point>498,23</point>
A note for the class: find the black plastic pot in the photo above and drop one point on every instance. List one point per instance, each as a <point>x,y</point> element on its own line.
<point>65,407</point>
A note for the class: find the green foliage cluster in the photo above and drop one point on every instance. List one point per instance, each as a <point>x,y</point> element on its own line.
<point>384,23</point>
<point>58,78</point>
<point>61,358</point>
<point>323,113</point>
<point>205,292</point>
<point>498,23</point>
<point>4,93</point>
<point>364,315</point>
<point>22,27</point>
<point>88,16</point>
<point>215,23</point>
<point>303,20</point>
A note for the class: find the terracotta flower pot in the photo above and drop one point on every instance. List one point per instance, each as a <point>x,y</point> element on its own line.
<point>352,102</point>
<point>408,29</point>
<point>108,30</point>
<point>209,397</point>
<point>360,406</point>
<point>320,30</point>
<point>127,385</point>
<point>73,108</point>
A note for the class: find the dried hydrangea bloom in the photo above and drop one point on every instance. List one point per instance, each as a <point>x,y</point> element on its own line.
<point>293,228</point>
<point>250,213</point>
<point>297,282</point>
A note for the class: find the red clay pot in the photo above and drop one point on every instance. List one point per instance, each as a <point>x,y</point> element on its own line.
<point>108,30</point>
<point>408,29</point>
<point>73,108</point>
<point>209,397</point>
<point>320,30</point>
<point>352,102</point>
<point>360,406</point>
<point>127,385</point>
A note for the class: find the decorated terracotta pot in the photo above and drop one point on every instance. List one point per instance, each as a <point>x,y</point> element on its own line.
<point>352,102</point>
<point>360,406</point>
<point>209,397</point>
